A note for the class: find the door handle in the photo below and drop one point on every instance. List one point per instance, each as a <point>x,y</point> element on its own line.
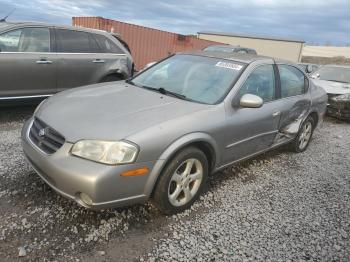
<point>43,62</point>
<point>276,113</point>
<point>98,61</point>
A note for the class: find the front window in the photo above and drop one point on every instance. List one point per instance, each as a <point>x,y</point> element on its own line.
<point>261,82</point>
<point>198,78</point>
<point>26,40</point>
<point>334,73</point>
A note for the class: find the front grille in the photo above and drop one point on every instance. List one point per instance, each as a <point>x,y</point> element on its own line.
<point>44,137</point>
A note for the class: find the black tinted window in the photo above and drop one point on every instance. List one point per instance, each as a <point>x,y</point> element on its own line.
<point>107,46</point>
<point>292,81</point>
<point>260,82</point>
<point>26,40</point>
<point>69,41</point>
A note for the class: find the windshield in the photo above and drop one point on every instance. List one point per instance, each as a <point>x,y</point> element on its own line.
<point>334,73</point>
<point>226,49</point>
<point>197,78</point>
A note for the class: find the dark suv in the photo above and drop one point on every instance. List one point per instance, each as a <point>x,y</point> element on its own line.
<point>38,60</point>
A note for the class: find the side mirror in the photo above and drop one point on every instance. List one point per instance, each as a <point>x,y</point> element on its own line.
<point>309,69</point>
<point>251,101</point>
<point>315,76</point>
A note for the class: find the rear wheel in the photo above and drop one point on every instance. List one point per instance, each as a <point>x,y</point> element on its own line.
<point>182,181</point>
<point>302,140</point>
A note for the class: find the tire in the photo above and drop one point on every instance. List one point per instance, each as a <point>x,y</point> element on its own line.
<point>110,78</point>
<point>305,133</point>
<point>177,189</point>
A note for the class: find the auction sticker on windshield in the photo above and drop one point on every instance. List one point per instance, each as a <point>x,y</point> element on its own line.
<point>229,65</point>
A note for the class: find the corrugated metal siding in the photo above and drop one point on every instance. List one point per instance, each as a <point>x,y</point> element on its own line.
<point>146,44</point>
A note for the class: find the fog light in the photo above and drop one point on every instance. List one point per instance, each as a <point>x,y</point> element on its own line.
<point>86,199</point>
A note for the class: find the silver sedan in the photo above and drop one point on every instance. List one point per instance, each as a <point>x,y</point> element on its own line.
<point>159,134</point>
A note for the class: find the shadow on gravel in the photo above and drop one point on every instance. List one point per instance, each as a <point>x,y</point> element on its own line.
<point>16,113</point>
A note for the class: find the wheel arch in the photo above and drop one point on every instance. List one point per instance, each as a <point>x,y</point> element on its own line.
<point>315,117</point>
<point>202,141</point>
<point>120,75</point>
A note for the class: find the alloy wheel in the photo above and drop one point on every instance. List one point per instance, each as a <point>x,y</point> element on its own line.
<point>185,182</point>
<point>305,135</point>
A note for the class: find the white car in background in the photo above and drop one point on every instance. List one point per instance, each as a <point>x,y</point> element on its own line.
<point>335,80</point>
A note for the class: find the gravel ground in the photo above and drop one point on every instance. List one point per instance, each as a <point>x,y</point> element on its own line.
<point>280,206</point>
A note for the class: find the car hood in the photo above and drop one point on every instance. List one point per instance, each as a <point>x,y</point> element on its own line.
<point>110,111</point>
<point>333,87</point>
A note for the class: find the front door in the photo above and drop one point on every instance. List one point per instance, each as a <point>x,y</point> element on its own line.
<point>27,67</point>
<point>251,130</point>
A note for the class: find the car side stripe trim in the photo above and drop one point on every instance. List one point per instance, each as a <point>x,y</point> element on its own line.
<point>252,137</point>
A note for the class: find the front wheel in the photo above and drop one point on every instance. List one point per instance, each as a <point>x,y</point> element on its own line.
<point>302,140</point>
<point>182,181</point>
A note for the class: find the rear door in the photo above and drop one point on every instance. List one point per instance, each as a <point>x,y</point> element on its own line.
<point>114,57</point>
<point>294,101</point>
<point>27,65</point>
<point>80,61</point>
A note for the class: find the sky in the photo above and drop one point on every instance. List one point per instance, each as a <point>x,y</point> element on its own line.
<point>314,21</point>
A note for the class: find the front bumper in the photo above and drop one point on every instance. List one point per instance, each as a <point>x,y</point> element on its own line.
<point>338,109</point>
<point>70,176</point>
<point>342,114</point>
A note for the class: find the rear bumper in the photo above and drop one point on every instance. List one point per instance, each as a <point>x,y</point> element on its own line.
<point>69,176</point>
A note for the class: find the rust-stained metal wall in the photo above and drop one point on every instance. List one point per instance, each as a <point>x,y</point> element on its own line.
<point>146,44</point>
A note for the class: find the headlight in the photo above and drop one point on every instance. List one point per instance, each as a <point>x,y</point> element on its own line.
<point>106,152</point>
<point>344,97</point>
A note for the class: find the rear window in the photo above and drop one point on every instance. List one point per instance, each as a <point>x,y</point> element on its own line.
<point>107,46</point>
<point>70,41</point>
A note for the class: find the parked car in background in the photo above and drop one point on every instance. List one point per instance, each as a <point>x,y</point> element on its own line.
<point>335,80</point>
<point>38,60</point>
<point>230,49</point>
<point>159,134</point>
<point>309,68</point>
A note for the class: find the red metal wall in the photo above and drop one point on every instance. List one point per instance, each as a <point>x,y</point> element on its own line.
<point>146,44</point>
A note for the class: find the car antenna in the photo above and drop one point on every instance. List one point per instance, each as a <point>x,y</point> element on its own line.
<point>4,19</point>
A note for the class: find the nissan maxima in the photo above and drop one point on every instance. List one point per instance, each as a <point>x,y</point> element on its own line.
<point>161,133</point>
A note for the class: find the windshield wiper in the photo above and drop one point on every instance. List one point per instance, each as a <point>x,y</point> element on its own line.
<point>166,92</point>
<point>129,81</point>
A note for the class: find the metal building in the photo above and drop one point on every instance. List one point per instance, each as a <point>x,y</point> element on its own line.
<point>290,49</point>
<point>146,44</point>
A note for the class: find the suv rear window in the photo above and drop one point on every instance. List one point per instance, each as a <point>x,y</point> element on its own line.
<point>70,41</point>
<point>107,46</point>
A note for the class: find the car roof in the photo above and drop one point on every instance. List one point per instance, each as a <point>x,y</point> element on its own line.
<point>231,46</point>
<point>307,64</point>
<point>243,58</point>
<point>4,25</point>
<point>340,66</point>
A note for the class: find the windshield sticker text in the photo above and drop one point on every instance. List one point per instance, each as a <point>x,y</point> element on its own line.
<point>228,65</point>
